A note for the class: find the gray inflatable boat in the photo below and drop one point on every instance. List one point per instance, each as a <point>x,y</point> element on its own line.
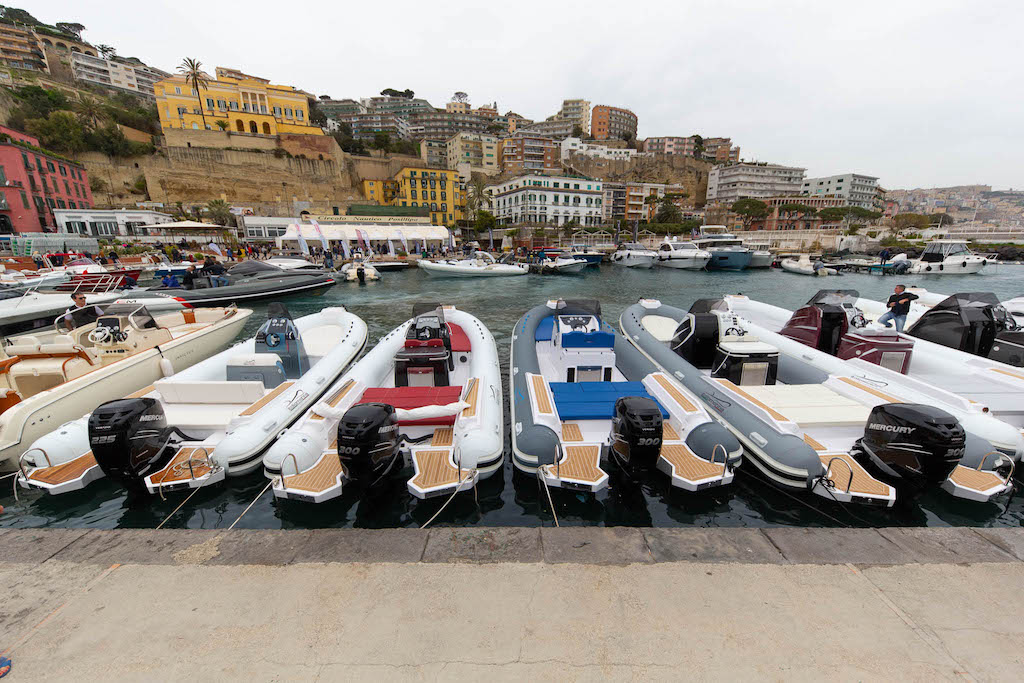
<point>582,397</point>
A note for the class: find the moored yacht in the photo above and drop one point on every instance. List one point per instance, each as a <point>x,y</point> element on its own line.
<point>591,255</point>
<point>684,255</point>
<point>634,255</point>
<point>481,264</point>
<point>945,257</point>
<point>727,250</point>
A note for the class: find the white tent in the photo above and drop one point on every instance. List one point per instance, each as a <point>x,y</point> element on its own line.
<point>415,235</point>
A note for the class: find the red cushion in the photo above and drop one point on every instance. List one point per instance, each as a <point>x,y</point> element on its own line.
<point>415,397</point>
<point>413,343</point>
<point>460,341</point>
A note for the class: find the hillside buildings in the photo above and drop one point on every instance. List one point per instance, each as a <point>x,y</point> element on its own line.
<point>472,152</point>
<point>557,129</point>
<point>525,152</point>
<point>553,200</point>
<point>639,201</point>
<point>34,183</point>
<point>21,48</point>
<point>117,74</point>
<point>576,112</point>
<point>754,180</point>
<point>445,124</point>
<point>612,123</point>
<point>434,152</point>
<point>785,216</point>
<point>435,189</point>
<point>857,190</point>
<point>716,150</point>
<point>570,146</point>
<point>247,104</point>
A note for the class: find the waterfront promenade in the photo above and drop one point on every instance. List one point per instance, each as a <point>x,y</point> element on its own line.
<point>513,603</point>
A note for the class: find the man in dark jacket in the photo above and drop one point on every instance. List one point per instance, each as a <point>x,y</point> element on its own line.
<point>899,306</point>
<point>188,279</point>
<point>215,269</point>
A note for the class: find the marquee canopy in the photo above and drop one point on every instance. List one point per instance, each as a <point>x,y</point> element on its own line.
<point>347,231</point>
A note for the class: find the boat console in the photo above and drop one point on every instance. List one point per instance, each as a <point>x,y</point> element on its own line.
<point>426,357</point>
<point>711,338</point>
<point>583,352</point>
<point>976,323</point>
<point>280,336</point>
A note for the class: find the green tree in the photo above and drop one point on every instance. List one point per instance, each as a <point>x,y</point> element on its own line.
<point>698,147</point>
<point>477,198</point>
<point>796,207</point>
<point>668,212</point>
<point>222,124</point>
<point>90,111</point>
<point>940,219</point>
<point>71,28</point>
<point>910,220</point>
<point>577,130</point>
<point>219,211</point>
<point>316,116</point>
<point>192,70</point>
<point>750,210</point>
<point>60,131</point>
<point>391,92</point>
<point>106,51</point>
<point>381,141</point>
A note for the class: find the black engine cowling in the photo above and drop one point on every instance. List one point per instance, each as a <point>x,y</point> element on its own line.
<point>127,438</point>
<point>910,446</point>
<point>368,443</point>
<point>636,434</point>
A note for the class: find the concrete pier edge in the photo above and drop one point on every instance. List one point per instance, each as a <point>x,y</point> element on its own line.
<point>481,545</point>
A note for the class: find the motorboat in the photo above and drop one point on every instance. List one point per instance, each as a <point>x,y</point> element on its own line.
<point>832,323</point>
<point>426,398</point>
<point>359,271</point>
<point>212,420</point>
<point>844,430</point>
<point>563,264</point>
<point>25,280</point>
<point>591,255</point>
<point>804,266</point>
<point>634,255</point>
<point>1015,307</point>
<point>250,281</point>
<point>761,255</point>
<point>385,266</point>
<point>57,375</point>
<point>727,251</point>
<point>944,257</point>
<point>582,395</point>
<point>684,255</point>
<point>292,263</point>
<point>480,264</point>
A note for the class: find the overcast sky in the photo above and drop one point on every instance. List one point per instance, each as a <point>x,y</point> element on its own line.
<point>920,94</point>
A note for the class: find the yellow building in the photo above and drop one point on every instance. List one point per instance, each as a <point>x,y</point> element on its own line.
<point>438,190</point>
<point>246,104</point>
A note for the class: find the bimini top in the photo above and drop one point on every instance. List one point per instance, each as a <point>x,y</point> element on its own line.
<point>834,297</point>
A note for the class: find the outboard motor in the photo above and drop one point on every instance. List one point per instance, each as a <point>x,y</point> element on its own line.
<point>361,274</point>
<point>910,446</point>
<point>280,336</point>
<point>368,444</point>
<point>127,438</point>
<point>636,434</point>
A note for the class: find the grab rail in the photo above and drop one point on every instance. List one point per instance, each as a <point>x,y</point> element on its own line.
<point>1013,466</point>
<point>849,484</point>
<point>283,461</point>
<point>21,461</point>
<point>725,457</point>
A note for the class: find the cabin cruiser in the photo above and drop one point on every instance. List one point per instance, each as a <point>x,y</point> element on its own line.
<point>684,255</point>
<point>634,255</point>
<point>206,422</point>
<point>846,430</point>
<point>250,281</point>
<point>562,263</point>
<point>727,250</point>
<point>761,255</point>
<point>359,271</point>
<point>591,255</point>
<point>426,397</point>
<point>57,375</point>
<point>384,266</point>
<point>944,257</point>
<point>582,395</point>
<point>804,266</point>
<point>480,264</point>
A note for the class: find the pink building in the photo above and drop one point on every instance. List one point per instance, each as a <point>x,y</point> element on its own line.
<point>34,182</point>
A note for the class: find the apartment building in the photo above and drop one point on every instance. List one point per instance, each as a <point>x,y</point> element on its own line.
<point>445,124</point>
<point>570,146</point>
<point>117,74</point>
<point>528,153</point>
<point>719,150</point>
<point>35,183</point>
<point>557,129</point>
<point>516,122</point>
<point>639,201</point>
<point>335,109</point>
<point>435,189</point>
<point>785,216</point>
<point>434,152</point>
<point>547,200</point>
<point>472,152</point>
<point>487,111</point>
<point>856,189</point>
<point>365,126</point>
<point>458,107</point>
<point>612,123</point>
<point>107,222</point>
<point>247,104</point>
<point>21,48</point>
<point>576,112</point>
<point>398,106</point>
<point>729,182</point>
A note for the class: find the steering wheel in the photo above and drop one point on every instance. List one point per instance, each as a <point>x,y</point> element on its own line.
<point>858,320</point>
<point>736,331</point>
<point>100,335</point>
<point>273,340</point>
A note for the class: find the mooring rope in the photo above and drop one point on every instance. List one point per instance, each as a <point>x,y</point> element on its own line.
<point>269,484</point>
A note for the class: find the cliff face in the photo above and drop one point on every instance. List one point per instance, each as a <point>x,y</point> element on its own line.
<point>691,173</point>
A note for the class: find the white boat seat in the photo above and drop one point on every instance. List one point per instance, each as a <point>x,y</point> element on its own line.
<point>214,392</point>
<point>661,327</point>
<point>811,404</point>
<point>23,346</point>
<point>745,345</point>
<point>318,341</point>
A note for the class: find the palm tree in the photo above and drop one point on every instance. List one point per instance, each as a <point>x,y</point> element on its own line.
<point>192,70</point>
<point>90,111</point>
<point>106,51</point>
<point>476,196</point>
<point>219,210</point>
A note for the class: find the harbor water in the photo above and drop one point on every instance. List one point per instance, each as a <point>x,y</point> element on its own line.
<point>511,499</point>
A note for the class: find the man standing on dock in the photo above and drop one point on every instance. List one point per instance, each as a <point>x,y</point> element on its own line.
<point>899,306</point>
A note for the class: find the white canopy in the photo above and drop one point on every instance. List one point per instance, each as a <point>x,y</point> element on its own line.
<point>184,225</point>
<point>347,231</point>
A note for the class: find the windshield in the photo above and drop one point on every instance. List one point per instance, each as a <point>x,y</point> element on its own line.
<point>82,262</point>
<point>835,297</point>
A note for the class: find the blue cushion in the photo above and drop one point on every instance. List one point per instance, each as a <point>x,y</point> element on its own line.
<point>545,329</point>
<point>588,340</point>
<point>594,400</point>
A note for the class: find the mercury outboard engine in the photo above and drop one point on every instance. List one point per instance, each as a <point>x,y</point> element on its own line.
<point>636,434</point>
<point>280,336</point>
<point>368,444</point>
<point>910,446</point>
<point>127,438</point>
<point>361,274</point>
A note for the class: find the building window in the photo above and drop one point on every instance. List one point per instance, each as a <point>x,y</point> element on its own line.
<point>412,194</point>
<point>52,204</point>
<point>287,112</point>
<point>209,103</point>
<point>444,196</point>
<point>177,90</point>
<point>277,112</point>
<point>298,114</point>
<point>61,204</point>
<point>24,199</point>
<point>72,205</point>
<point>63,170</point>
<point>222,105</point>
<point>28,164</point>
<point>104,228</point>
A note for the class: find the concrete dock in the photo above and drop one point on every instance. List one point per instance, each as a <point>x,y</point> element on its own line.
<point>513,604</point>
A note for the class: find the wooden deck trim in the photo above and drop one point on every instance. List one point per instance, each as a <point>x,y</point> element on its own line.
<point>318,478</point>
<point>688,466</point>
<point>278,390</point>
<point>813,443</point>
<point>434,468</point>
<point>540,391</point>
<point>875,392</point>
<point>976,480</point>
<point>471,398</point>
<point>141,392</point>
<point>1008,373</point>
<point>443,437</point>
<point>736,390</point>
<point>167,474</point>
<point>571,432</point>
<point>336,399</point>
<point>668,433</point>
<point>863,483</point>
<point>674,392</point>
<point>65,472</point>
<point>581,463</point>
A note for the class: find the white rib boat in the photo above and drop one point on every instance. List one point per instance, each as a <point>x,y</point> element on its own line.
<point>428,395</point>
<point>209,421</point>
<point>804,266</point>
<point>481,264</point>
